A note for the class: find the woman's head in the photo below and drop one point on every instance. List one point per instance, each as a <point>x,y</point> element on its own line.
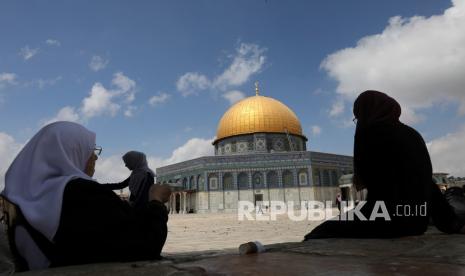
<point>135,160</point>
<point>69,143</point>
<point>35,181</point>
<point>374,107</point>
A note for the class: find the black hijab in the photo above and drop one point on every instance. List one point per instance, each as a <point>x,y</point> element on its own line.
<point>138,181</point>
<point>371,109</point>
<point>392,162</point>
<point>374,107</point>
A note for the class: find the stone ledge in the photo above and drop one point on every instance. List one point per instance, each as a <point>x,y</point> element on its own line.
<point>432,253</point>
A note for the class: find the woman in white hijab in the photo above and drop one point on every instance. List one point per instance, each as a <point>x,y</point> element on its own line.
<point>140,180</point>
<point>68,217</point>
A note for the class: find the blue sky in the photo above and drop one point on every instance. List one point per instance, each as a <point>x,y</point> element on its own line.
<point>56,54</point>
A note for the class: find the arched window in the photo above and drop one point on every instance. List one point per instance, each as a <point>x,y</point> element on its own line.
<point>243,180</point>
<point>334,178</point>
<point>193,185</point>
<point>288,179</point>
<point>257,180</point>
<point>272,179</point>
<point>303,179</point>
<point>228,183</point>
<point>316,177</point>
<point>201,183</point>
<point>213,181</point>
<point>325,181</point>
<point>184,183</point>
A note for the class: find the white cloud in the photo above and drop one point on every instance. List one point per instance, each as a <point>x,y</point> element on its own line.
<point>247,61</point>
<point>337,108</point>
<point>190,83</point>
<point>41,83</point>
<point>7,79</point>
<point>233,96</point>
<point>9,148</point>
<point>316,130</point>
<point>98,63</point>
<point>123,83</point>
<point>125,86</point>
<point>53,42</point>
<point>195,147</point>
<point>111,169</point>
<point>67,113</point>
<point>159,99</point>
<point>448,153</point>
<point>129,112</point>
<point>419,61</point>
<point>27,53</point>
<point>103,101</point>
<point>99,102</point>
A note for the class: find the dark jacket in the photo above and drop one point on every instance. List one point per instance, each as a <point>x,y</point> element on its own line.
<point>97,226</point>
<point>392,162</point>
<point>138,199</point>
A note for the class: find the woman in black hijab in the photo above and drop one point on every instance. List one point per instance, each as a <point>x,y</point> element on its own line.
<point>140,180</point>
<point>392,162</point>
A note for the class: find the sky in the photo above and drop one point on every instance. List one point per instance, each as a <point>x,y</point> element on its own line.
<point>156,76</point>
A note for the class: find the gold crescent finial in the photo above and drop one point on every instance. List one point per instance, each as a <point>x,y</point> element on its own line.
<point>256,88</point>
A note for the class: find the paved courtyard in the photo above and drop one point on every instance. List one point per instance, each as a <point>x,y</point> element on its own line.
<point>200,232</point>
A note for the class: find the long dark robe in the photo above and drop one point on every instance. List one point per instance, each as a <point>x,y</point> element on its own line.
<point>139,197</point>
<point>97,226</point>
<point>392,162</point>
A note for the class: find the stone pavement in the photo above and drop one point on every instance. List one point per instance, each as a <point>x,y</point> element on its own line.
<point>431,254</point>
<point>218,231</point>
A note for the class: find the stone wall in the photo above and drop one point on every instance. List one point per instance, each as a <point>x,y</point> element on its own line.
<point>227,201</point>
<point>260,143</point>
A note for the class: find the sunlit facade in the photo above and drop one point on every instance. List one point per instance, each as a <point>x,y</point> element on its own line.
<point>260,156</point>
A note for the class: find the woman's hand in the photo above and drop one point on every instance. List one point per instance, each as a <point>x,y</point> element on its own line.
<point>160,192</point>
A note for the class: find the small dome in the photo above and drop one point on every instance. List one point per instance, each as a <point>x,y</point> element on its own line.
<point>258,114</point>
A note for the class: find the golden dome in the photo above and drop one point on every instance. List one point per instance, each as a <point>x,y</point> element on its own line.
<point>258,114</point>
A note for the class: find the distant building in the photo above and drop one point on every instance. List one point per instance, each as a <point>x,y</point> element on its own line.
<point>260,155</point>
<point>440,179</point>
<point>348,191</point>
<point>444,182</point>
<point>459,181</point>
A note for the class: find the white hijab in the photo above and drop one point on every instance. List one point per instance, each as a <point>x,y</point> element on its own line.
<point>37,178</point>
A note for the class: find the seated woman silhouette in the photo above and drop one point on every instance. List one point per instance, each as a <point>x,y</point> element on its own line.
<point>68,217</point>
<point>392,162</point>
<point>140,180</point>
